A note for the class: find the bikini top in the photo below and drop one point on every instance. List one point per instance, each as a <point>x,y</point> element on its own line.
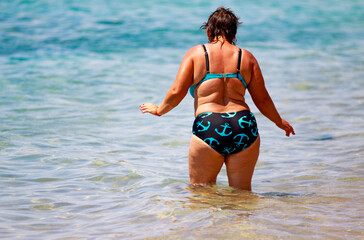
<point>218,75</point>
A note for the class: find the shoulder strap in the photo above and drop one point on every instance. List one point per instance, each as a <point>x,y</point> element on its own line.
<point>206,59</point>
<point>239,60</point>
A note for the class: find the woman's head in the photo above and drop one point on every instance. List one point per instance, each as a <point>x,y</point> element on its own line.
<point>222,22</point>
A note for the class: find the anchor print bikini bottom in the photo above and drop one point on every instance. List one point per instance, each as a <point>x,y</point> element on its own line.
<point>227,133</point>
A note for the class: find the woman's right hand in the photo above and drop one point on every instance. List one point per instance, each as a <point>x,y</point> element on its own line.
<point>149,108</point>
<point>284,125</point>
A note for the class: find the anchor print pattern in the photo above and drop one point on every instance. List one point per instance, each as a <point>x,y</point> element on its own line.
<point>242,136</point>
<point>252,116</point>
<point>203,115</point>
<point>228,150</point>
<point>203,128</point>
<point>223,132</point>
<point>241,121</point>
<point>228,115</point>
<point>227,133</point>
<point>255,133</point>
<point>210,140</point>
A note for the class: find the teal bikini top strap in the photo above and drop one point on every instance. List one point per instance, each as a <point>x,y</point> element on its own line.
<point>192,90</point>
<point>242,80</point>
<point>207,77</point>
<point>193,87</point>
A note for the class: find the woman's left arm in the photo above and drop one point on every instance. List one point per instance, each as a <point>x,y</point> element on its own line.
<point>177,91</point>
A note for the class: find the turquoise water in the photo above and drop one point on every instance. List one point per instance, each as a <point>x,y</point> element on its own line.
<point>79,161</point>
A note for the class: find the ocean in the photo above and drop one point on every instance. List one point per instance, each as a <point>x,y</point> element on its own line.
<point>79,161</point>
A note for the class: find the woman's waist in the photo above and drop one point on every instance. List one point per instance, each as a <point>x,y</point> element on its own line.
<point>218,108</point>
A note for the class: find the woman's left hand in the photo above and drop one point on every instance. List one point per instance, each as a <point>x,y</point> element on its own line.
<point>284,125</point>
<point>149,108</point>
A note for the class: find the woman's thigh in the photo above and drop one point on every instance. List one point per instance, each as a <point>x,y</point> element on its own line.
<point>240,166</point>
<point>204,162</point>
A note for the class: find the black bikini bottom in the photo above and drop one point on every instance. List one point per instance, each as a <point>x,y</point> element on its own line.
<point>227,133</point>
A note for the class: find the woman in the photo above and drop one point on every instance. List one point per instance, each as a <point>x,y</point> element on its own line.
<point>217,75</point>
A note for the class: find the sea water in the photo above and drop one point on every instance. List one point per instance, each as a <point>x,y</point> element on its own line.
<point>79,161</point>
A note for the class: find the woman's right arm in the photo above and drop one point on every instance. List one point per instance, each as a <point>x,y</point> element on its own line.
<point>261,98</point>
<point>177,91</point>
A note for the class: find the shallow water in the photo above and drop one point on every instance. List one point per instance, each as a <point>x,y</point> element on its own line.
<point>78,160</point>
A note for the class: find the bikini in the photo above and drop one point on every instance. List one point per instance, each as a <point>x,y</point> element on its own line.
<point>209,75</point>
<point>227,133</point>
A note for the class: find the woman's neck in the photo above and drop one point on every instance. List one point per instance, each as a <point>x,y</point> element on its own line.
<point>220,40</point>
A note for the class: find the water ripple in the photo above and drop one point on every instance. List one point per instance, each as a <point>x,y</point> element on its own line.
<point>76,153</point>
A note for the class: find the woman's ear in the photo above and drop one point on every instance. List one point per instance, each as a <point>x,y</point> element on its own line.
<point>208,33</point>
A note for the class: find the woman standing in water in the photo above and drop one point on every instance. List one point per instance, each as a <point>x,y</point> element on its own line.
<point>218,74</point>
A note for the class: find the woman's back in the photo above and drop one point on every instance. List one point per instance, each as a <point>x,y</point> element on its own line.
<point>222,94</point>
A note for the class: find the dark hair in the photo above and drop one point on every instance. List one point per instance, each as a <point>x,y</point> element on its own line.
<point>222,22</point>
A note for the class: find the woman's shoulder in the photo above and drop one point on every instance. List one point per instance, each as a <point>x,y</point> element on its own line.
<point>248,56</point>
<point>247,53</point>
<point>195,51</point>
